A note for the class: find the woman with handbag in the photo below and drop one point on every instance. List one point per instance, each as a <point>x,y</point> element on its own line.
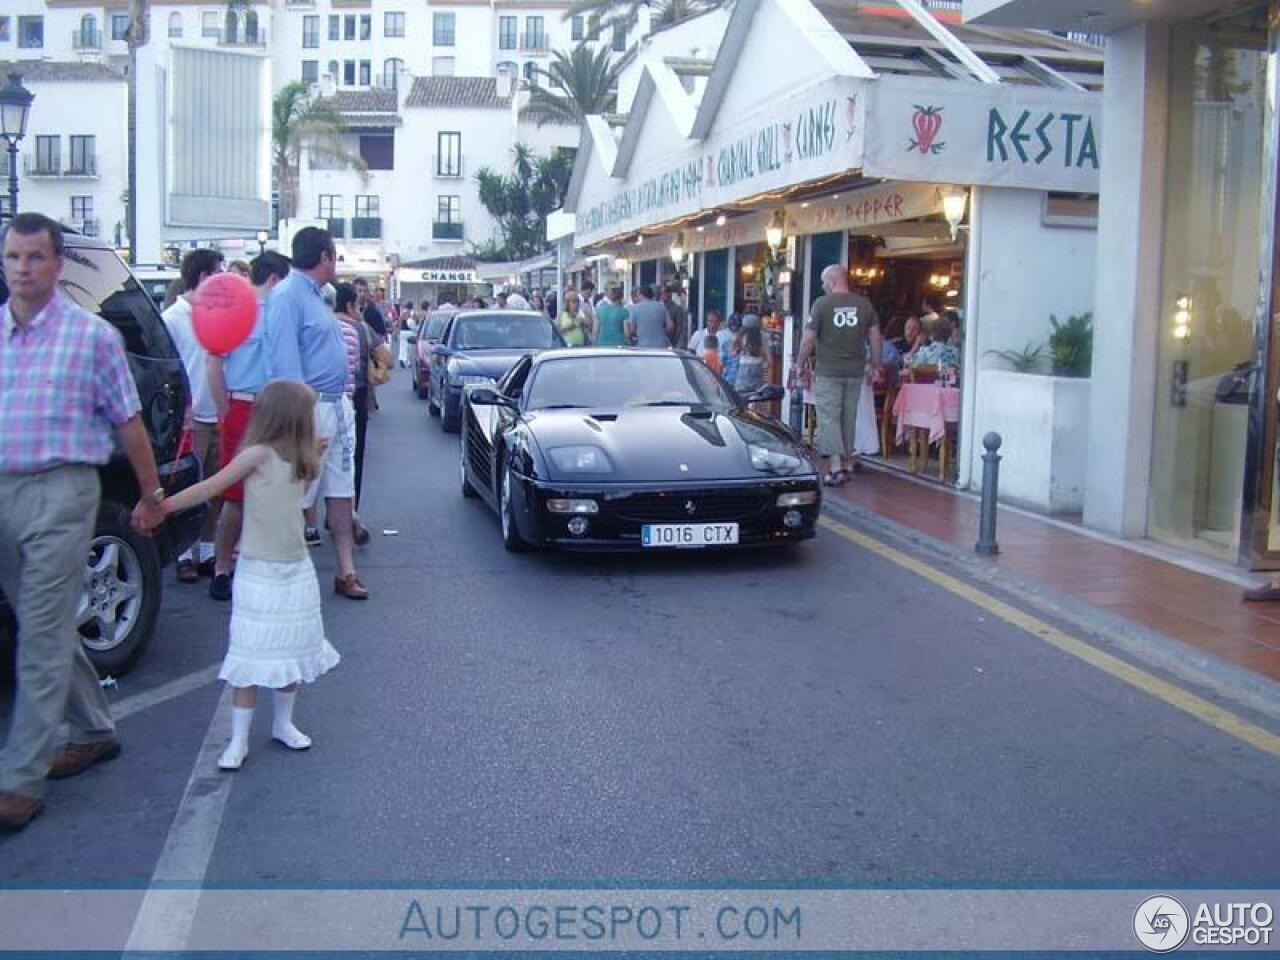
<point>369,366</point>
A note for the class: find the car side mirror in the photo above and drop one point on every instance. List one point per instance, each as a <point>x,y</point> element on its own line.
<point>488,397</point>
<point>440,350</point>
<point>769,393</point>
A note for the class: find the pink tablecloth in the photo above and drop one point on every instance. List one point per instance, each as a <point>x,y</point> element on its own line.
<point>926,405</point>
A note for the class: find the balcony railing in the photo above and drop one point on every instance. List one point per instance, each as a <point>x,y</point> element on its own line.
<point>242,39</point>
<point>446,168</point>
<point>337,227</point>
<point>37,166</point>
<point>86,40</point>
<point>451,230</point>
<point>534,43</point>
<point>366,228</point>
<point>81,167</point>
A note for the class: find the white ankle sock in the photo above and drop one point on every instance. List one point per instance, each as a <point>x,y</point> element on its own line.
<point>206,551</point>
<point>238,748</point>
<point>282,727</point>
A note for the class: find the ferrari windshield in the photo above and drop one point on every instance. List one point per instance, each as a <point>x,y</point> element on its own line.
<point>504,331</point>
<point>612,380</point>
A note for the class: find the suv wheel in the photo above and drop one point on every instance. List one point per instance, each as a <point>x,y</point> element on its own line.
<point>121,599</point>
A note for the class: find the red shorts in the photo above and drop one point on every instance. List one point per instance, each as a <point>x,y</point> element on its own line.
<point>231,433</point>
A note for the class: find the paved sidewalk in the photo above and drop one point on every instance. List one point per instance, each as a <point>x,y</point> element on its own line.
<point>1196,609</point>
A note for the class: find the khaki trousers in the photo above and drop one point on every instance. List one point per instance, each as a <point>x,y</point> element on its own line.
<point>46,527</point>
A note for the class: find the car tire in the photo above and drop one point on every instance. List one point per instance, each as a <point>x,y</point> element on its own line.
<point>511,538</point>
<point>123,586</point>
<point>431,402</point>
<point>449,424</point>
<point>467,489</point>
<point>422,390</point>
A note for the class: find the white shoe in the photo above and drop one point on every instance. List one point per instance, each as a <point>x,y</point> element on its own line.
<point>233,757</point>
<point>291,737</point>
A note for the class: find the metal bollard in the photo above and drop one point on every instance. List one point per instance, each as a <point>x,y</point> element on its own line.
<point>987,545</point>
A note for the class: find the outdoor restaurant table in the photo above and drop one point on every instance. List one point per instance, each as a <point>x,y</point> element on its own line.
<point>927,406</point>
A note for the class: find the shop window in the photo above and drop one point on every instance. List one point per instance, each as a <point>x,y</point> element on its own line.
<point>1212,260</point>
<point>377,150</point>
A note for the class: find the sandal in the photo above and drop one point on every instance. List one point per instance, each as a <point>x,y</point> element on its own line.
<point>837,479</point>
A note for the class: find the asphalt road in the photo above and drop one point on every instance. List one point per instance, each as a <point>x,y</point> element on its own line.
<point>816,716</point>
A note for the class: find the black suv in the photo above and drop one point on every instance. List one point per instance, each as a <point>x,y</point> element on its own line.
<point>121,600</point>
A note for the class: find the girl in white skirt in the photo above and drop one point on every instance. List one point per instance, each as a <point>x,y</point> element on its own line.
<point>277,634</point>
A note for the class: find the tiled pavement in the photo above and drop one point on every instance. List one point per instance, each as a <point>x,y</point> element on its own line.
<point>1195,608</point>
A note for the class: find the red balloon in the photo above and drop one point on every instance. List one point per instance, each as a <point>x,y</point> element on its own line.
<point>224,312</point>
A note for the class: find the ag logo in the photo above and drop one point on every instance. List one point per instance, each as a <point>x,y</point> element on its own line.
<point>1161,924</point>
<point>845,317</point>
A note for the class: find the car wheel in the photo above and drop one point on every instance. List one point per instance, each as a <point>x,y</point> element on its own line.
<point>511,538</point>
<point>423,391</point>
<point>467,489</point>
<point>431,401</point>
<point>449,424</point>
<point>121,600</point>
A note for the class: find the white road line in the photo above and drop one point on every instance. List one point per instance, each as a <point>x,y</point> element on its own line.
<point>166,916</point>
<point>163,693</point>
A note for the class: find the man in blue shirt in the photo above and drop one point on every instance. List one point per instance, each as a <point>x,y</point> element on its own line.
<point>235,382</point>
<point>303,341</point>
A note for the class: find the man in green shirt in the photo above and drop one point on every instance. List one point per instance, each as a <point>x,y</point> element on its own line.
<point>842,329</point>
<point>611,320</point>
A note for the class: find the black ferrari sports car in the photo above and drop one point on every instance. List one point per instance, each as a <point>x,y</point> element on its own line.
<point>624,449</point>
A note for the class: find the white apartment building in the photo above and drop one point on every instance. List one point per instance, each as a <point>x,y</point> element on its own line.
<point>422,145</point>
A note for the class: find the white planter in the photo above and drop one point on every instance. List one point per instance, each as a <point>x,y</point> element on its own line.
<point>1042,422</point>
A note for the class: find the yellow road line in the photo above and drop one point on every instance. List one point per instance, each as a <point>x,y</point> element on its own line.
<point>1148,683</point>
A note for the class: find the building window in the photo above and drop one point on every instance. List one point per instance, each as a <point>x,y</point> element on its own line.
<point>30,33</point>
<point>81,209</point>
<point>619,38</point>
<point>48,154</point>
<point>391,73</point>
<point>310,71</point>
<point>209,25</point>
<point>348,73</point>
<point>442,29</point>
<point>508,69</point>
<point>330,206</point>
<point>393,24</point>
<point>579,28</point>
<point>448,209</point>
<point>83,155</point>
<point>530,73</point>
<point>366,73</point>
<point>4,29</point>
<point>507,27</point>
<point>366,26</point>
<point>534,38</point>
<point>349,27</point>
<point>175,25</point>
<point>335,27</point>
<point>443,66</point>
<point>367,205</point>
<point>448,154</point>
<point>378,151</point>
<point>310,33</point>
<point>333,70</point>
<point>119,26</point>
<point>86,37</point>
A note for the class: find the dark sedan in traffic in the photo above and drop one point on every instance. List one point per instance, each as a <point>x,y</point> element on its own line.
<point>479,347</point>
<point>621,449</point>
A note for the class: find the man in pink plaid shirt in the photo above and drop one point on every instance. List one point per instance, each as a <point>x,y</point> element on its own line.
<point>65,387</point>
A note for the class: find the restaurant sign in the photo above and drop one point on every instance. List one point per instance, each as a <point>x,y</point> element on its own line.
<point>806,136</point>
<point>1001,135</point>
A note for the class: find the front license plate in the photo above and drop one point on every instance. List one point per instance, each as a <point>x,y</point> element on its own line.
<point>691,535</point>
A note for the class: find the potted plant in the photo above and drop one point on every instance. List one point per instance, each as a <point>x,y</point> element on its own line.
<point>1041,415</point>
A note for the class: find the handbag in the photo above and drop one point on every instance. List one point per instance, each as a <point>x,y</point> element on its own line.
<point>379,368</point>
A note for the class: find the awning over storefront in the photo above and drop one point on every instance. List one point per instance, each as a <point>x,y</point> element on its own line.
<point>801,96</point>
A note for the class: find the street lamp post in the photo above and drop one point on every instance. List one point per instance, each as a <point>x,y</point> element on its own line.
<point>263,237</point>
<point>15,106</point>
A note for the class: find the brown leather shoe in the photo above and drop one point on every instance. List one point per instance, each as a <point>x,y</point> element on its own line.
<point>188,572</point>
<point>76,758</point>
<point>16,811</point>
<point>350,587</point>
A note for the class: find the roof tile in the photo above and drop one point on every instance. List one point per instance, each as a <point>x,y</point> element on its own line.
<point>477,92</point>
<point>60,71</point>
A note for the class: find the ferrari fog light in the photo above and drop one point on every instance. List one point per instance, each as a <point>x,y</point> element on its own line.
<point>572,506</point>
<point>578,526</point>
<point>792,519</point>
<point>801,498</point>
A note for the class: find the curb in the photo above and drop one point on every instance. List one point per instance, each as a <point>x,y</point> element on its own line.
<point>1211,675</point>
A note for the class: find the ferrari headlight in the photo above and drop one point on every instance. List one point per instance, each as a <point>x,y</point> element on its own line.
<point>774,461</point>
<point>580,459</point>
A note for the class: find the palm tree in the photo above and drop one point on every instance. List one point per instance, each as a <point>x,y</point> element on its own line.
<point>298,119</point>
<point>588,81</point>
